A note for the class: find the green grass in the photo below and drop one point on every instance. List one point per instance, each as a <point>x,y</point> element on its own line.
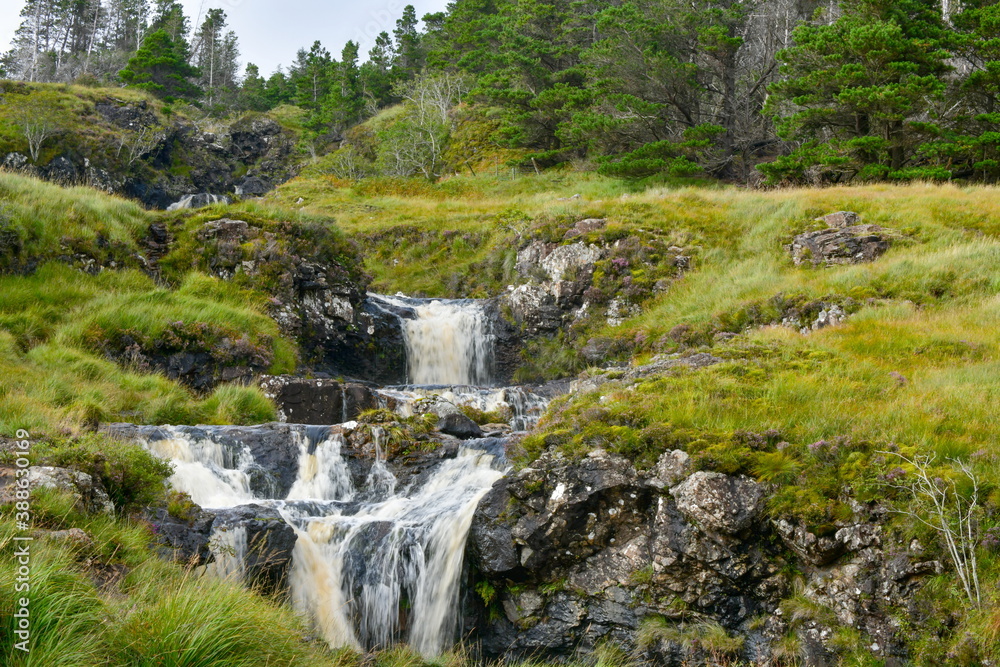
<point>49,221</point>
<point>61,329</point>
<point>112,603</point>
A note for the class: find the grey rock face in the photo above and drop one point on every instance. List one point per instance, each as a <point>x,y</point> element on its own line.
<point>88,492</point>
<point>848,245</point>
<point>719,502</point>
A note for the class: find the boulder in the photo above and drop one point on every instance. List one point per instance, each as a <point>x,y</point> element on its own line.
<point>451,420</point>
<point>849,245</point>
<point>840,219</point>
<point>718,502</point>
<point>88,492</point>
<point>317,400</point>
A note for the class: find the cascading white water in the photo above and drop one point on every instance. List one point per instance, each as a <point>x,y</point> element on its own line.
<point>206,470</point>
<point>229,546</point>
<point>373,564</point>
<point>447,342</point>
<point>357,569</point>
<point>323,473</point>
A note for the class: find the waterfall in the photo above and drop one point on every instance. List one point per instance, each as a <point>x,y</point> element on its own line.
<point>323,473</point>
<point>447,341</point>
<point>213,475</point>
<point>389,570</point>
<point>375,562</point>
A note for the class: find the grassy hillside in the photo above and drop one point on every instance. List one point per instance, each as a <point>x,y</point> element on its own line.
<point>819,416</point>
<point>57,311</point>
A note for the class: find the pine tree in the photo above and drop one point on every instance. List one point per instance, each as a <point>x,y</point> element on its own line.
<point>409,51</point>
<point>253,91</point>
<point>861,92</point>
<point>160,66</point>
<point>215,54</point>
<point>376,74</point>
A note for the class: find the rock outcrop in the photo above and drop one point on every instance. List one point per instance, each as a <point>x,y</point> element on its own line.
<point>576,553</point>
<point>844,242</point>
<point>90,496</point>
<point>160,160</point>
<point>318,296</point>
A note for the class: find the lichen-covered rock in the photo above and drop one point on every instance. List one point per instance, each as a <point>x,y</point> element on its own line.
<point>88,492</point>
<point>719,502</point>
<point>848,245</point>
<point>581,552</point>
<point>840,219</point>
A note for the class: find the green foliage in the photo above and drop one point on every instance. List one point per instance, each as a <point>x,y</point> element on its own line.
<point>862,112</point>
<point>133,477</point>
<point>160,66</point>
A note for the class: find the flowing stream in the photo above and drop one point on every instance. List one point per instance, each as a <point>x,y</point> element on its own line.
<point>448,342</point>
<point>376,562</point>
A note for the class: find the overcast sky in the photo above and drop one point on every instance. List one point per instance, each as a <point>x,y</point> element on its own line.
<point>271,31</point>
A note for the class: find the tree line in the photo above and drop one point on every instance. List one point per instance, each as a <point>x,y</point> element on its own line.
<point>792,91</point>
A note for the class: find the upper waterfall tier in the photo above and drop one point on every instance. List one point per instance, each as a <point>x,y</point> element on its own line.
<point>448,342</point>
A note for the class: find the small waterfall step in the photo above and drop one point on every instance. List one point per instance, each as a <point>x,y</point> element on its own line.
<point>375,553</point>
<point>448,341</point>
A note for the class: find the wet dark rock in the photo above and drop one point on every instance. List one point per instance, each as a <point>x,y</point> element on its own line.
<point>270,544</point>
<point>317,401</point>
<point>460,426</point>
<point>274,446</point>
<point>182,540</point>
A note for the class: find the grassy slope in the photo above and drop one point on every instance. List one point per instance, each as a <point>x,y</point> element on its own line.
<point>928,309</point>
<point>52,377</point>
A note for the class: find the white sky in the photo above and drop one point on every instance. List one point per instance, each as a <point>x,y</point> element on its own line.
<point>271,31</point>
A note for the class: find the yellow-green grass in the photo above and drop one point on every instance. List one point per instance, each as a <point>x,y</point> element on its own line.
<point>929,307</point>
<point>51,380</point>
<point>48,217</point>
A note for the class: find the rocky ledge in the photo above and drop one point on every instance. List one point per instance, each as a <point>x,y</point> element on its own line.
<point>565,555</point>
